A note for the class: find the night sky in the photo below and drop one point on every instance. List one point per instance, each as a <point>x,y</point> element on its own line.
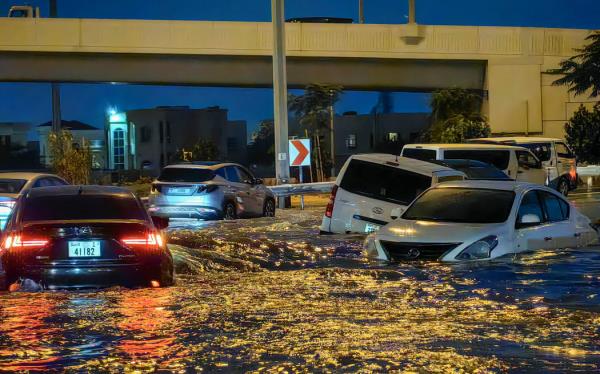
<point>30,102</point>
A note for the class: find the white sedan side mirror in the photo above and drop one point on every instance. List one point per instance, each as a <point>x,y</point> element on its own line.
<point>530,219</point>
<point>397,212</point>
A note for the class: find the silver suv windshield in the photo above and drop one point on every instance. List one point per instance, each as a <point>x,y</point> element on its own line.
<point>187,175</point>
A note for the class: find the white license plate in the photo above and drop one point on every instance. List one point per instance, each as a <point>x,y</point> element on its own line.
<point>89,248</point>
<point>370,227</point>
<point>180,191</point>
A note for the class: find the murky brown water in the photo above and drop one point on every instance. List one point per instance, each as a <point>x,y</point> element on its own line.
<point>270,295</point>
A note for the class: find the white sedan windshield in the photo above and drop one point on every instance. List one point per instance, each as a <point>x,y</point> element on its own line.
<point>462,205</point>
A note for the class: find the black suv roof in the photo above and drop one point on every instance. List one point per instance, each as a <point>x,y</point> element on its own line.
<point>79,190</point>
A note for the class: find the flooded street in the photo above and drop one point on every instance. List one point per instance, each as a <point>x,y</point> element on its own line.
<point>270,295</point>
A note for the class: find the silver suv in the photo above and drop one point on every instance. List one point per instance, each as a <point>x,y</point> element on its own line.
<point>210,191</point>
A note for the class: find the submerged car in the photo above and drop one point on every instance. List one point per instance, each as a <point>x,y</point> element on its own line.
<point>557,158</point>
<point>15,184</point>
<point>371,188</point>
<point>84,236</point>
<point>482,220</point>
<point>210,191</point>
<point>473,169</point>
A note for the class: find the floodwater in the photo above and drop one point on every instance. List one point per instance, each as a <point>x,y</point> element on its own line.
<point>269,295</point>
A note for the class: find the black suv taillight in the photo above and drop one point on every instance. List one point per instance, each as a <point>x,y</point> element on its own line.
<point>329,209</point>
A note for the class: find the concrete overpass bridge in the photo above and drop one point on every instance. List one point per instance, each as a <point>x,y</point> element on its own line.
<point>510,63</point>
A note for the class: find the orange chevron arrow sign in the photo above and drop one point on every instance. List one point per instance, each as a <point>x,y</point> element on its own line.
<point>300,152</point>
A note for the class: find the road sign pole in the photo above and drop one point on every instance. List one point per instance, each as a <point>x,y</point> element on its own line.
<point>282,163</point>
<point>301,181</point>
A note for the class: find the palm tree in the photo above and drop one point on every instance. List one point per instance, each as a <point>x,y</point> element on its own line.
<point>456,116</point>
<point>582,71</point>
<point>314,109</point>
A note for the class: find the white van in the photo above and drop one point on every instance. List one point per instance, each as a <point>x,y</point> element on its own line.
<point>517,162</point>
<point>557,158</point>
<point>371,188</point>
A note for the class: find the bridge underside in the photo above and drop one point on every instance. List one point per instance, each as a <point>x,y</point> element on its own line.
<point>240,71</point>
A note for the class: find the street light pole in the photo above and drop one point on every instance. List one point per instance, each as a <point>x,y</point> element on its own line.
<point>411,12</point>
<point>282,164</point>
<point>361,11</point>
<point>56,117</point>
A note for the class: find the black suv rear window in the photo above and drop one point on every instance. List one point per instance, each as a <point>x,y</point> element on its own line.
<point>498,158</point>
<point>75,207</point>
<point>187,175</point>
<point>383,182</point>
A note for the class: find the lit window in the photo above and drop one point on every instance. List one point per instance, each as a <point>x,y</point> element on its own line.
<point>393,136</point>
<point>119,149</point>
<point>351,141</point>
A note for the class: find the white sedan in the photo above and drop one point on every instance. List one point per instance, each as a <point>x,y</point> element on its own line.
<point>481,220</point>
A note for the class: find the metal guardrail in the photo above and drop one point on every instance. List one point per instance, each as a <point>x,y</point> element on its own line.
<point>284,190</point>
<point>592,170</point>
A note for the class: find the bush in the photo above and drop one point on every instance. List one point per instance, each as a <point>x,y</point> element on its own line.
<point>582,132</point>
<point>71,161</point>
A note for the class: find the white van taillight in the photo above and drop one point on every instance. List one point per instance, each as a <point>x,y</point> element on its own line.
<point>329,209</point>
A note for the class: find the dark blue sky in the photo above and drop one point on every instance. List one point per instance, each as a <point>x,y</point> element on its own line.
<point>88,102</point>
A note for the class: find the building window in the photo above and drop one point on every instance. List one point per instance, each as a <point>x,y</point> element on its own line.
<point>351,141</point>
<point>392,136</point>
<point>146,134</point>
<point>119,149</point>
<point>161,133</point>
<point>231,145</point>
<point>5,141</point>
<point>168,132</point>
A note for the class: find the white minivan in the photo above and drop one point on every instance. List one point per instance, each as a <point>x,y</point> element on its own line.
<point>517,162</point>
<point>371,188</point>
<point>557,158</point>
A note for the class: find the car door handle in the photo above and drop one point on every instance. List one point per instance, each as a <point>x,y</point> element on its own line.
<point>548,238</point>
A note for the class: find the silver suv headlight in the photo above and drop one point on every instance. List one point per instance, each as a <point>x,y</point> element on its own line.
<point>481,249</point>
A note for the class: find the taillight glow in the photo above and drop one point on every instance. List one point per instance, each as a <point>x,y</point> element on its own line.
<point>16,241</point>
<point>329,209</point>
<point>151,240</point>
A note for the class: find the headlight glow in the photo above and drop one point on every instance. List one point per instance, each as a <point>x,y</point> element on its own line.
<point>480,249</point>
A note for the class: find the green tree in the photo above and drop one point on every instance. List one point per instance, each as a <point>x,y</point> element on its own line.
<point>262,147</point>
<point>313,111</point>
<point>202,150</point>
<point>456,116</point>
<point>71,161</point>
<point>582,132</point>
<point>582,71</point>
<point>459,128</point>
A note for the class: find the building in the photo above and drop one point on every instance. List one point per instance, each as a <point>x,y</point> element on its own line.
<point>80,131</point>
<point>368,133</point>
<point>148,139</point>
<point>14,134</point>
<point>15,150</point>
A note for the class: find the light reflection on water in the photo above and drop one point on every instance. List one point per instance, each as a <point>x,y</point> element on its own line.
<point>270,295</point>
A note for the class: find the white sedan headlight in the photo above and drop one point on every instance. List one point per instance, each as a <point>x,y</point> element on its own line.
<point>479,250</point>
